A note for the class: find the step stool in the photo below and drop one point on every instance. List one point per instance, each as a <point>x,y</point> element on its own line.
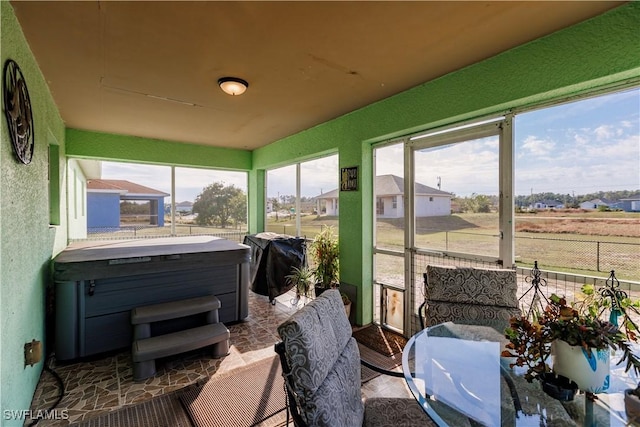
<point>145,348</point>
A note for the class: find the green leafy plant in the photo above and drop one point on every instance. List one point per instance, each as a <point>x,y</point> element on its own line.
<point>325,254</point>
<point>621,308</point>
<point>581,328</point>
<point>302,279</point>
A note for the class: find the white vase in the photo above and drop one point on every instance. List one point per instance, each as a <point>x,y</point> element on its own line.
<point>588,368</point>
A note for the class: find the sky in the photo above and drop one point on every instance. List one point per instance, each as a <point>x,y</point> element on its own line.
<point>576,148</point>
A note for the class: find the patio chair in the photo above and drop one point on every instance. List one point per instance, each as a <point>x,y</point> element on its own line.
<point>321,367</point>
<point>468,295</point>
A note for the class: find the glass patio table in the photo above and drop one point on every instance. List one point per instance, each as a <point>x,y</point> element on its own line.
<point>456,373</point>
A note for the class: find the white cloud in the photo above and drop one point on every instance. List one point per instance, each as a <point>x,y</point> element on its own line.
<point>588,165</point>
<point>536,146</point>
<point>316,176</point>
<point>580,139</point>
<point>390,160</point>
<point>604,132</point>
<point>464,168</point>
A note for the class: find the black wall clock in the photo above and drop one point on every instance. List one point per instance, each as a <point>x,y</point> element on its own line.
<point>17,110</point>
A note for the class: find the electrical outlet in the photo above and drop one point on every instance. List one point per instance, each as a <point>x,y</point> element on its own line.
<point>32,352</point>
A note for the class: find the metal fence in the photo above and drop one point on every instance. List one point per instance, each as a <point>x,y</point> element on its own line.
<point>141,231</point>
<point>289,229</point>
<point>565,284</point>
<point>590,255</point>
<point>582,256</point>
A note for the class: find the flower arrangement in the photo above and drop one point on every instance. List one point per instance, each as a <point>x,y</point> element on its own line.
<point>578,324</point>
<point>530,345</point>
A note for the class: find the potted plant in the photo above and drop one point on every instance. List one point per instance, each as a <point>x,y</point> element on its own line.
<point>530,345</point>
<point>579,326</point>
<point>302,279</point>
<point>347,303</point>
<point>325,255</point>
<point>632,403</point>
<point>580,345</point>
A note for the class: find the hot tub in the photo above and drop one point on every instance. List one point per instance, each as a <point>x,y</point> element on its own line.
<point>97,283</point>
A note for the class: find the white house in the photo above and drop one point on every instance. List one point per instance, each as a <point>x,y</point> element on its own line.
<point>327,203</point>
<point>390,199</point>
<point>547,204</point>
<point>593,204</point>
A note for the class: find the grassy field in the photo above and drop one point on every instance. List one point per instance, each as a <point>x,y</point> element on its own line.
<point>310,225</point>
<point>588,243</point>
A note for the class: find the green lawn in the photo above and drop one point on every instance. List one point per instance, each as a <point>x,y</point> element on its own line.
<point>478,234</point>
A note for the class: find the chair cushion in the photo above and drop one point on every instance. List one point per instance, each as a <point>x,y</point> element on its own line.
<point>472,285</point>
<point>324,361</point>
<point>472,314</point>
<point>338,400</point>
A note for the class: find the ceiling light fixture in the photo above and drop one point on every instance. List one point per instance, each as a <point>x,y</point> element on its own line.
<point>233,85</point>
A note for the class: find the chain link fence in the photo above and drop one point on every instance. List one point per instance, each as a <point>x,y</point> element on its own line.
<point>147,231</point>
<point>307,230</point>
<point>583,255</point>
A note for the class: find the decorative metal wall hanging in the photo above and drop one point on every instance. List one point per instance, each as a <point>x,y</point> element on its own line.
<point>17,110</point>
<point>612,290</point>
<point>536,299</point>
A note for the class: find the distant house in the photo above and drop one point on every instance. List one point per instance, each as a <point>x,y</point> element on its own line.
<point>105,195</point>
<point>594,204</point>
<point>185,206</point>
<point>390,199</point>
<point>327,203</point>
<point>547,204</point>
<point>630,204</point>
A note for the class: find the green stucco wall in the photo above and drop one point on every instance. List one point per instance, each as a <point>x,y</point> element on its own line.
<point>594,54</point>
<point>27,240</point>
<point>146,150</point>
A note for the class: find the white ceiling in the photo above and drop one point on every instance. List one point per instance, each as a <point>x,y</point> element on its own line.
<point>149,68</point>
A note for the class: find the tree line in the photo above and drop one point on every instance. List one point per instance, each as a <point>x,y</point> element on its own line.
<point>481,203</point>
<point>573,201</point>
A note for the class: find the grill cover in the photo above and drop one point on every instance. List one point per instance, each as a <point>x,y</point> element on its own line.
<point>272,258</point>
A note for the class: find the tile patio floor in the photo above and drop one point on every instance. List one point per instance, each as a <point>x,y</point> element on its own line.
<point>106,384</point>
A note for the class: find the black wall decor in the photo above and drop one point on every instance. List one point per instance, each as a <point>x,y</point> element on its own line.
<point>349,179</point>
<point>17,110</point>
